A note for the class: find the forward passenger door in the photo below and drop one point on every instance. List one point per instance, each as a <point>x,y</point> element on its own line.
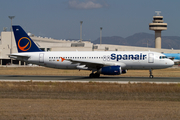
<point>151,58</point>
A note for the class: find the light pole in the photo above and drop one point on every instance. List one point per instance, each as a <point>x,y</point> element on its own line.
<point>100,35</point>
<point>11,17</point>
<point>81,31</point>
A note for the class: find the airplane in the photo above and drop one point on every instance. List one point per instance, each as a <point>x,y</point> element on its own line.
<point>99,62</point>
<point>173,56</point>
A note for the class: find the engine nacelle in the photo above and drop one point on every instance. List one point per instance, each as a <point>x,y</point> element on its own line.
<point>110,70</point>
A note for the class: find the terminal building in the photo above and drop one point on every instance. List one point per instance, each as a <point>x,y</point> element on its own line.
<point>8,45</point>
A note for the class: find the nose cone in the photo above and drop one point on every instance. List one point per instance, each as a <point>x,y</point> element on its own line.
<point>170,63</point>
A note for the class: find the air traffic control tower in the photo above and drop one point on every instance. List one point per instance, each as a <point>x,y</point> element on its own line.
<point>158,26</point>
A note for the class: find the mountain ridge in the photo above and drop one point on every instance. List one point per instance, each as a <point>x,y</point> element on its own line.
<point>141,40</point>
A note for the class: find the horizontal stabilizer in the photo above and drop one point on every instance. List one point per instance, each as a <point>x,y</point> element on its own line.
<point>19,57</point>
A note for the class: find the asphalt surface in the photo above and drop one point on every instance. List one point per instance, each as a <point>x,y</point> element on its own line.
<point>87,79</point>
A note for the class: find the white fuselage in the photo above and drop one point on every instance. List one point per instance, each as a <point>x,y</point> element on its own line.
<point>80,60</point>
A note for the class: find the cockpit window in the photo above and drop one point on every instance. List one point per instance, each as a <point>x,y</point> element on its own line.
<point>162,57</point>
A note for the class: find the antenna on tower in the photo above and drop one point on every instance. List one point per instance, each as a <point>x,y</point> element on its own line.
<point>158,13</point>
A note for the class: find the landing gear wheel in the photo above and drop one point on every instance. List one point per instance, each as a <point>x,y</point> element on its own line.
<point>96,75</point>
<point>92,75</point>
<point>151,76</point>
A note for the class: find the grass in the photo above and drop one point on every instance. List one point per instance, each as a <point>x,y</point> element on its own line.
<point>48,109</point>
<point>90,91</point>
<point>87,101</point>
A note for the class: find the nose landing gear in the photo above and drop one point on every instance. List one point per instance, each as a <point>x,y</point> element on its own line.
<point>150,72</point>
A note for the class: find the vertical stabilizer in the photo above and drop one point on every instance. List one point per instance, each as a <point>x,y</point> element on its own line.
<point>23,42</point>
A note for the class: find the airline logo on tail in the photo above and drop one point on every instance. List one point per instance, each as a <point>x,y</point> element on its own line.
<point>23,41</point>
<point>24,44</point>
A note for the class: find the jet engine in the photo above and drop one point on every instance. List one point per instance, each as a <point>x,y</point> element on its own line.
<point>110,70</point>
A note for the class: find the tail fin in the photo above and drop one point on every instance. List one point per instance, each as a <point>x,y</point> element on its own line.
<point>23,42</point>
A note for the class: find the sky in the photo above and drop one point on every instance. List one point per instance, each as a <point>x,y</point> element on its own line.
<point>60,19</point>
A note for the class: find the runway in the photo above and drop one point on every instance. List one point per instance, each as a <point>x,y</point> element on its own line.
<point>17,78</point>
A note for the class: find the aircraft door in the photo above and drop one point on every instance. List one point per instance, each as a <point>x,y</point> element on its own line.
<point>41,57</point>
<point>151,58</point>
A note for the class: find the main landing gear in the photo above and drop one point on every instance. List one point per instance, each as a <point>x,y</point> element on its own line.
<point>94,75</point>
<point>150,72</point>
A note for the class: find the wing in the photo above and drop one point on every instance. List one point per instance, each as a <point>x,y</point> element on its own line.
<point>95,65</point>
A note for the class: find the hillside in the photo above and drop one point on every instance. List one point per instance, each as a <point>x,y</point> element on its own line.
<point>141,40</point>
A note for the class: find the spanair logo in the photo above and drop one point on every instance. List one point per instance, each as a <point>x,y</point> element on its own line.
<point>24,44</point>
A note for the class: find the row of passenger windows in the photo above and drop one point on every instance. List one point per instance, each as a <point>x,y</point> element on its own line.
<point>161,57</point>
<point>77,57</point>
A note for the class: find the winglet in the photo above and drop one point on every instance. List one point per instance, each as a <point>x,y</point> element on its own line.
<point>23,42</point>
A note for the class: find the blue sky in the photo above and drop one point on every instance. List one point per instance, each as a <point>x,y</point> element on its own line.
<point>60,19</point>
